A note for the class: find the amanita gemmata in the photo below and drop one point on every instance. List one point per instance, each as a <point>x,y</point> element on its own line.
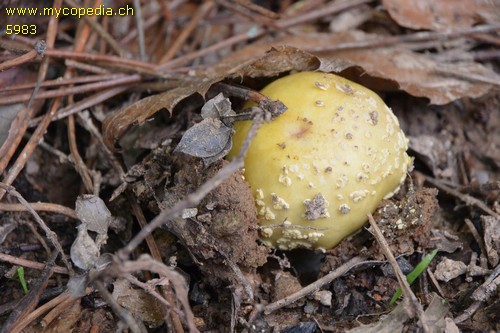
<point>318,169</point>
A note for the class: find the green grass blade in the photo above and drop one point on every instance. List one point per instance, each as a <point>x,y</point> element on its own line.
<point>20,274</point>
<point>414,274</point>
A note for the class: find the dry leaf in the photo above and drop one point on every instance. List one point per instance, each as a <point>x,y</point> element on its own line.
<point>211,138</point>
<point>92,211</point>
<point>96,217</point>
<point>141,304</point>
<point>417,74</point>
<point>115,125</point>
<point>84,251</point>
<point>442,15</point>
<point>274,62</point>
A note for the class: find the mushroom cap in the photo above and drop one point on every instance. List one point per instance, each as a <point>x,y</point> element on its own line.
<point>319,169</point>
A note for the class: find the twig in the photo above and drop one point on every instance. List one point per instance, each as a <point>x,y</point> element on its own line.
<point>30,264</point>
<point>84,104</point>
<point>45,307</point>
<point>413,305</point>
<point>73,90</point>
<point>435,283</point>
<point>140,29</point>
<point>409,38</point>
<point>188,29</point>
<point>173,311</point>
<point>28,149</point>
<point>134,66</point>
<point>148,24</point>
<point>177,281</point>
<point>39,207</point>
<point>257,31</point>
<point>86,67</point>
<point>100,31</point>
<point>10,145</point>
<point>155,253</point>
<point>479,241</point>
<point>52,236</point>
<point>316,285</point>
<point>19,60</point>
<point>469,200</point>
<point>64,82</point>
<point>16,323</point>
<point>80,166</point>
<point>63,306</point>
<point>467,76</point>
<point>245,10</point>
<point>250,6</point>
<point>482,294</point>
<point>123,314</point>
<point>479,188</point>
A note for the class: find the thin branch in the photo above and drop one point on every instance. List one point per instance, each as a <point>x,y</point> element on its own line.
<point>140,29</point>
<point>469,200</point>
<point>124,315</point>
<point>73,90</point>
<point>30,264</point>
<point>316,285</point>
<point>52,236</point>
<point>84,104</point>
<point>412,304</point>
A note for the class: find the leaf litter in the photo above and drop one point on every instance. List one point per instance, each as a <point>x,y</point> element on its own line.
<point>435,64</point>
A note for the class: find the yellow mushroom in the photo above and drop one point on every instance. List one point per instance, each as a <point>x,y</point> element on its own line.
<point>318,169</point>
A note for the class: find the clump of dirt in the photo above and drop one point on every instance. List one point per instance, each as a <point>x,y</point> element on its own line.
<point>221,230</point>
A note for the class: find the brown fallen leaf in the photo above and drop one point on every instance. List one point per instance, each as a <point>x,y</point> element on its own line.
<point>274,62</point>
<point>416,73</point>
<point>442,15</point>
<point>116,124</point>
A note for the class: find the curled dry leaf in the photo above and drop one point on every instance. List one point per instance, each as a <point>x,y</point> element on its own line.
<point>93,213</point>
<point>84,251</point>
<point>115,125</point>
<point>207,139</point>
<point>276,61</point>
<point>416,73</point>
<point>441,15</point>
<point>96,217</point>
<point>211,138</point>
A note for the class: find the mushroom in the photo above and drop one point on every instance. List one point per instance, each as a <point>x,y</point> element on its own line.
<point>319,169</point>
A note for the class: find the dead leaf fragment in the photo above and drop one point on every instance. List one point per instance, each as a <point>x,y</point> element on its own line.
<point>211,138</point>
<point>449,269</point>
<point>84,251</point>
<point>491,226</point>
<point>206,139</point>
<point>141,304</point>
<point>272,63</point>
<point>92,211</point>
<point>96,217</point>
<point>421,76</point>
<point>441,15</point>
<point>434,316</point>
<point>416,73</point>
<point>115,125</point>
